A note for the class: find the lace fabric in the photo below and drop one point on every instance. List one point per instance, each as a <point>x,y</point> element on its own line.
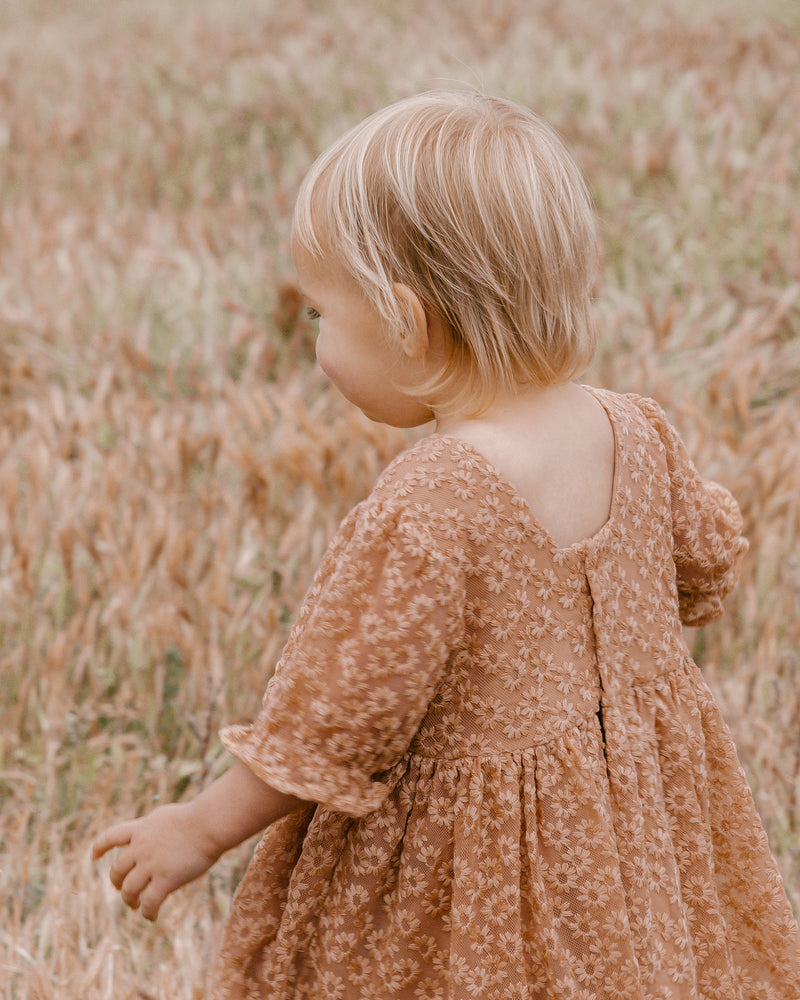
<point>525,788</point>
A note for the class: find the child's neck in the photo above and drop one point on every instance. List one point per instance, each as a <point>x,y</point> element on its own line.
<point>510,409</point>
<point>556,447</point>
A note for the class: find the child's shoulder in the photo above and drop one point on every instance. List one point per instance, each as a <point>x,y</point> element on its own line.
<point>444,471</point>
<point>423,496</point>
<point>635,413</point>
<point>433,478</point>
<point>443,474</point>
<point>439,469</point>
<point>631,403</point>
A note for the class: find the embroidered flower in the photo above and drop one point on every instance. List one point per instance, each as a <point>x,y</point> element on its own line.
<point>480,834</point>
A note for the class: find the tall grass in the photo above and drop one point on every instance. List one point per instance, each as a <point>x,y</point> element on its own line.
<point>171,462</point>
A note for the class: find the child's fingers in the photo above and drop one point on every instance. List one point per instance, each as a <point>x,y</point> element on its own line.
<point>135,882</point>
<point>151,900</point>
<point>116,836</point>
<point>120,868</point>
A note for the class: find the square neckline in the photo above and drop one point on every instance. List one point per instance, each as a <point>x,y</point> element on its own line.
<point>588,541</point>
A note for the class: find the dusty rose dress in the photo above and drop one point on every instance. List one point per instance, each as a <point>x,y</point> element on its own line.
<point>526,788</point>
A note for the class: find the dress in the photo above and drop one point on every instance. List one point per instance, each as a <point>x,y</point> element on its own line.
<point>526,789</point>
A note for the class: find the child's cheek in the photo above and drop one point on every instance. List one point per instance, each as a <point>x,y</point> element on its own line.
<point>325,358</point>
<point>319,349</point>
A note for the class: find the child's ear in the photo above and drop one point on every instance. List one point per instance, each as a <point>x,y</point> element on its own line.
<point>413,333</point>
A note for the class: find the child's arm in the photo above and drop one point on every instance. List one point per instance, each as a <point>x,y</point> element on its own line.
<point>706,528</point>
<point>177,843</point>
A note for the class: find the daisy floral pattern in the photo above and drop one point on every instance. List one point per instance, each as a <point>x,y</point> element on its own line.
<point>525,788</point>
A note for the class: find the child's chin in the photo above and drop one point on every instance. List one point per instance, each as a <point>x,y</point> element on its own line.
<point>402,420</point>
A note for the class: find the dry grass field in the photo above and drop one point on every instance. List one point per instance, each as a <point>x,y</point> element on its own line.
<point>171,462</point>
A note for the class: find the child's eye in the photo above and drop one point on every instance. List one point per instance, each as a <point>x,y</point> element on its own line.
<point>312,313</point>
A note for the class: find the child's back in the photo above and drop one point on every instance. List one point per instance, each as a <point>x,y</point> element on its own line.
<point>567,817</point>
<point>523,788</point>
<point>556,447</point>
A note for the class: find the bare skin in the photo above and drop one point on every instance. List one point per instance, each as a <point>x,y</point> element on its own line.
<point>177,843</point>
<point>554,445</point>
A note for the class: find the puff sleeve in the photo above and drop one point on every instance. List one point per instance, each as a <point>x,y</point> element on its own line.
<point>708,545</point>
<point>362,663</point>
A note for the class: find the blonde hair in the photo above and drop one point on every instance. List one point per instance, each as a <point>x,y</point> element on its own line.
<point>475,204</point>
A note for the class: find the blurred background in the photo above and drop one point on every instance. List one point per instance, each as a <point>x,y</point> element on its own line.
<point>172,464</point>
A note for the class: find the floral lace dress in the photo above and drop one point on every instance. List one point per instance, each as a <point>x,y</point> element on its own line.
<point>525,788</point>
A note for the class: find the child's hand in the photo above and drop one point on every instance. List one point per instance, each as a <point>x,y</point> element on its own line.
<point>174,844</point>
<point>159,853</point>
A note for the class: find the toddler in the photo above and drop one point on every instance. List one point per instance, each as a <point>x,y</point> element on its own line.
<point>486,763</point>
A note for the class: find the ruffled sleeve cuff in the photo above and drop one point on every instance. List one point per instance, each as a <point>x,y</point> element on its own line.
<point>306,775</point>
